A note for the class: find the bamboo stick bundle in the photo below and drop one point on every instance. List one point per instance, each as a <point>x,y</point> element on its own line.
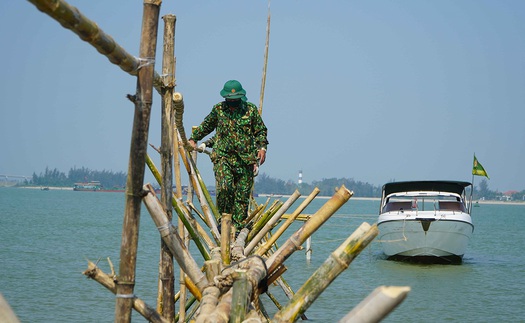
<point>107,281</point>
<point>270,224</point>
<point>71,18</point>
<point>336,263</point>
<point>181,211</point>
<point>257,210</point>
<point>207,205</point>
<point>268,244</point>
<point>263,219</point>
<point>211,218</point>
<point>308,228</point>
<point>376,306</point>
<point>172,239</point>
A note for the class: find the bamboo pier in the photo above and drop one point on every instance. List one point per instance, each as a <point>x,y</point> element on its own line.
<point>225,279</point>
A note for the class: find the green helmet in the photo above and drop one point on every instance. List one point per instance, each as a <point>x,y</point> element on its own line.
<point>233,90</point>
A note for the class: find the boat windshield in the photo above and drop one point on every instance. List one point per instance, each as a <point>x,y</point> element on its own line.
<point>424,203</point>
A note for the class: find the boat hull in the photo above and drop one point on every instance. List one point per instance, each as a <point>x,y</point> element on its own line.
<point>425,239</point>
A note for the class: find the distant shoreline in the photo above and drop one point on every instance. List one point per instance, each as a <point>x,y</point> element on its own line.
<point>494,202</point>
<point>379,199</point>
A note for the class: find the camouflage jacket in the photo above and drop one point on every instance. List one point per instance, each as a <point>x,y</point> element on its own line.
<point>240,132</point>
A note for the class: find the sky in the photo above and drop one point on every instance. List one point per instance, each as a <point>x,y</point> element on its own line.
<point>374,90</point>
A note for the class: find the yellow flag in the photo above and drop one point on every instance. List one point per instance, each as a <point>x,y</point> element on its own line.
<point>477,169</point>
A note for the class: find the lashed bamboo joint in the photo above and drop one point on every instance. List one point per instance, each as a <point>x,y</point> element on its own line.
<point>235,272</point>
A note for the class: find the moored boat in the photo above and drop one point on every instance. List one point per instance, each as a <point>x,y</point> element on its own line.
<point>425,221</point>
<point>87,186</point>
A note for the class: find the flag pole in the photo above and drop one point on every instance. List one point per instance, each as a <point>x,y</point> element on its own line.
<point>472,190</point>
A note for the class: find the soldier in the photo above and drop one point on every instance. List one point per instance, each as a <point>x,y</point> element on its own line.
<point>239,147</point>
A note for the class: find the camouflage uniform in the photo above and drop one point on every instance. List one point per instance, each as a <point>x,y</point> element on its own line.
<point>239,134</point>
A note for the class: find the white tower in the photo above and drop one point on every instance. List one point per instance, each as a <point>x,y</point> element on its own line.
<point>300,181</point>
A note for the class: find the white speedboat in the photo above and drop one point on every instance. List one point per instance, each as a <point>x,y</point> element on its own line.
<point>425,221</point>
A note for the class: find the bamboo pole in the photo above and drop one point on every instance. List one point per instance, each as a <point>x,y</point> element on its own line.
<point>336,263</point>
<point>137,161</point>
<point>6,312</point>
<point>166,292</point>
<point>268,244</point>
<point>265,65</point>
<point>308,228</point>
<point>269,225</point>
<point>107,281</point>
<point>376,306</point>
<point>71,18</point>
<point>240,298</point>
<point>226,222</point>
<point>172,239</point>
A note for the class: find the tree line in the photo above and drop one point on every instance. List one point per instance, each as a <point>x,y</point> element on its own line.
<point>107,179</point>
<point>264,184</point>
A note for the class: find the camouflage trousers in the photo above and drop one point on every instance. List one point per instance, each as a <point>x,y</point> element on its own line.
<point>234,181</point>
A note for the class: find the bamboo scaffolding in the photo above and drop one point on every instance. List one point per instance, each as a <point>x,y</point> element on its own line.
<point>309,227</point>
<point>336,263</point>
<point>71,18</point>
<point>230,302</point>
<point>172,239</point>
<point>137,161</point>
<point>270,224</point>
<point>268,244</point>
<point>166,291</point>
<point>107,281</point>
<point>376,306</point>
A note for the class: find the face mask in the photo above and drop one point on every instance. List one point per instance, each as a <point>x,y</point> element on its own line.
<point>234,104</point>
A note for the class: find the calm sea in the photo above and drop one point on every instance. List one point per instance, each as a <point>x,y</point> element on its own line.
<point>47,236</point>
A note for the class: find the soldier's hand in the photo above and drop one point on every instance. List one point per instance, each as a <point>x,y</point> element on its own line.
<point>261,155</point>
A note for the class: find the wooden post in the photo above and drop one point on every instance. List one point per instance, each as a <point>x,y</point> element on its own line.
<point>137,162</point>
<point>166,292</point>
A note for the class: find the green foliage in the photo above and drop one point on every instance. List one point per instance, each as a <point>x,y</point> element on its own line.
<point>54,177</point>
<point>267,185</point>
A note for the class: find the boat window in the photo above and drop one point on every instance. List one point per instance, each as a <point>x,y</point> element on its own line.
<point>452,206</point>
<point>397,206</point>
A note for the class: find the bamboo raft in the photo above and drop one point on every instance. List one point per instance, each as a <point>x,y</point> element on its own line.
<point>236,268</point>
